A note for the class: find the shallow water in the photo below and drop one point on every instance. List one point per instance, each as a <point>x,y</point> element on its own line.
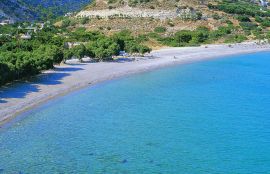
<point>205,117</point>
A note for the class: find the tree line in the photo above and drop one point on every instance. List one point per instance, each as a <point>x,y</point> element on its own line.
<point>23,58</point>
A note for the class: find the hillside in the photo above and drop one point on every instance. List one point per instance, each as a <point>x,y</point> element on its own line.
<point>144,16</point>
<point>150,4</point>
<point>25,10</point>
<point>246,17</point>
<point>16,10</point>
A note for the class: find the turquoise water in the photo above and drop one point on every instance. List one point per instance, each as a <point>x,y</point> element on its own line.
<point>205,117</point>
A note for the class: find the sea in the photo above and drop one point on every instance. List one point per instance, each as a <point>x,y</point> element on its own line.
<point>211,116</point>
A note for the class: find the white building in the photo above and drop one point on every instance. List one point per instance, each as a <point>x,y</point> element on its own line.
<point>7,22</point>
<point>68,14</point>
<point>26,36</point>
<point>30,28</point>
<point>72,44</point>
<point>264,3</point>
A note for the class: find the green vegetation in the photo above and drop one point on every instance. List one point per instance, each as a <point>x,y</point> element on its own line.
<point>160,29</point>
<point>52,45</point>
<point>136,2</point>
<point>235,39</point>
<point>240,7</point>
<point>31,10</point>
<point>23,58</point>
<point>253,19</point>
<point>194,38</point>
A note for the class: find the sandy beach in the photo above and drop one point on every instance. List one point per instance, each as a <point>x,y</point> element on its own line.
<point>21,96</point>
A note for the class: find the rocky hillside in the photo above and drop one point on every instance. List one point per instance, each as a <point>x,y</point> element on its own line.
<point>146,15</point>
<point>165,21</point>
<point>174,15</point>
<point>151,4</point>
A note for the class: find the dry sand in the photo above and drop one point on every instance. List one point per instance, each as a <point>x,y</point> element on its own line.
<point>21,96</point>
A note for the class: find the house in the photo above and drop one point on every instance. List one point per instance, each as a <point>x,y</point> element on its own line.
<point>3,23</point>
<point>72,44</point>
<point>31,28</point>
<point>7,22</point>
<point>26,36</point>
<point>68,14</point>
<point>264,3</point>
<point>41,26</point>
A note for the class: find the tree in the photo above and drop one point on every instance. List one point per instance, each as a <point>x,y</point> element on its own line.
<point>183,37</point>
<point>79,51</point>
<point>67,55</point>
<point>160,29</point>
<point>103,48</point>
<point>4,73</point>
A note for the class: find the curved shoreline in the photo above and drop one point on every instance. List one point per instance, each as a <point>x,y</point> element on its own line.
<point>20,97</point>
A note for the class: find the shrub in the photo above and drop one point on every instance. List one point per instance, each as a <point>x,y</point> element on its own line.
<point>243,18</point>
<point>160,29</point>
<point>258,19</point>
<point>183,37</point>
<point>248,26</point>
<point>85,20</point>
<point>236,39</point>
<point>216,16</point>
<point>266,23</point>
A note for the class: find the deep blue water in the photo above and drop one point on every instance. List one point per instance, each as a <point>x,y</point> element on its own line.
<point>206,117</point>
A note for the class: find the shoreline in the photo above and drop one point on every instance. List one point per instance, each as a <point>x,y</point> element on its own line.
<point>18,98</point>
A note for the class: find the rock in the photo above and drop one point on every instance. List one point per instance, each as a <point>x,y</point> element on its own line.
<point>124,161</point>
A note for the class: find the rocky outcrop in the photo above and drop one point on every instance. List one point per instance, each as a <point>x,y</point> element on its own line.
<point>125,12</point>
<point>132,12</point>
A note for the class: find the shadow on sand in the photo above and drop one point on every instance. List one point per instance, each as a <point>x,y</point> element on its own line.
<point>20,89</point>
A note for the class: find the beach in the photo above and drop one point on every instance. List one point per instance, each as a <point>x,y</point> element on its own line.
<point>21,96</point>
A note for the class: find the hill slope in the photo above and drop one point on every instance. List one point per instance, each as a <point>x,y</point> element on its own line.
<point>145,15</point>
<point>174,15</point>
<point>165,21</point>
<point>16,10</point>
<point>24,10</point>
